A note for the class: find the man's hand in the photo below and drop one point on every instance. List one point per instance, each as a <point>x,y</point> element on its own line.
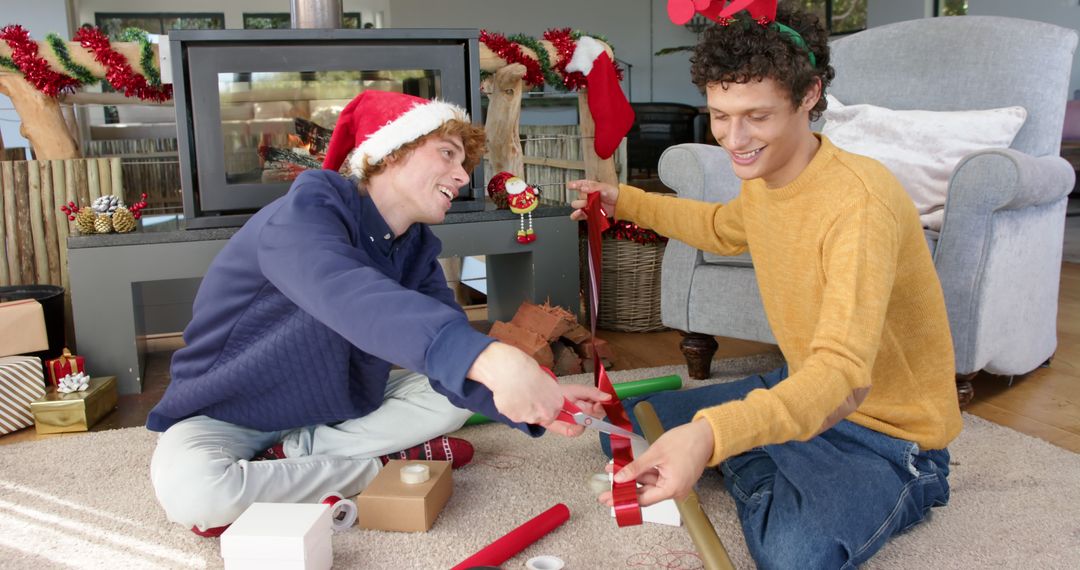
<point>588,399</point>
<point>609,195</point>
<point>671,466</point>
<point>524,392</point>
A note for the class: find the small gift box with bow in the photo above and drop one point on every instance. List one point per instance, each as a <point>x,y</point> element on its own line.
<point>77,410</point>
<point>64,365</point>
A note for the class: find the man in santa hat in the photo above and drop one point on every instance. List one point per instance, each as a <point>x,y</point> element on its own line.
<point>285,391</point>
<point>844,447</point>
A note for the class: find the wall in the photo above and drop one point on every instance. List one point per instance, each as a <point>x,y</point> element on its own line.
<point>881,12</point>
<point>39,17</point>
<point>233,9</point>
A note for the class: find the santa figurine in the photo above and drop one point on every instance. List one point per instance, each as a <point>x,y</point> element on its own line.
<point>509,190</point>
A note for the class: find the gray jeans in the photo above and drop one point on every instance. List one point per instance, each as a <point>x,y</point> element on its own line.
<point>202,475</point>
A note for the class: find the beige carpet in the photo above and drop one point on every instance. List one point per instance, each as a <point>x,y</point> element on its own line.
<point>85,502</point>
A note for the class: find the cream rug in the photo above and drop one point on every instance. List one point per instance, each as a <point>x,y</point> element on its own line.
<point>86,502</point>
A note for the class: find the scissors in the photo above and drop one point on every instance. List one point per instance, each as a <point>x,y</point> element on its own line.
<point>572,414</point>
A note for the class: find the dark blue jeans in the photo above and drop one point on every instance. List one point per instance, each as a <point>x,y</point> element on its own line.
<point>830,502</point>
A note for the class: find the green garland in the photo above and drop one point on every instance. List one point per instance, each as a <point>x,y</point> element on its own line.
<point>8,63</point>
<point>59,47</point>
<point>146,58</point>
<point>541,55</point>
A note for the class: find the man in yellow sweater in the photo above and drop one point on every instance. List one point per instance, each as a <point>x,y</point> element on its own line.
<point>845,446</point>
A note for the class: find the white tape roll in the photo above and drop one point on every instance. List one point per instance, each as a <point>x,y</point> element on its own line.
<point>415,473</point>
<point>342,511</point>
<point>544,563</point>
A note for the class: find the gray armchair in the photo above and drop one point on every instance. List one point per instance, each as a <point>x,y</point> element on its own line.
<point>999,251</point>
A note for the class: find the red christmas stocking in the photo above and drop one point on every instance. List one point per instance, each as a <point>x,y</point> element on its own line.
<point>607,104</point>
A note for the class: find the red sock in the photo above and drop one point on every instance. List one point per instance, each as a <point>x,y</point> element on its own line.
<point>212,532</point>
<point>453,449</point>
<point>276,451</point>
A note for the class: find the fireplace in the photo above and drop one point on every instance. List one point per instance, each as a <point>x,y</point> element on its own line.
<point>255,107</point>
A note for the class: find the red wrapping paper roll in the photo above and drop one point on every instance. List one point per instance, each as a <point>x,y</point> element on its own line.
<point>518,539</point>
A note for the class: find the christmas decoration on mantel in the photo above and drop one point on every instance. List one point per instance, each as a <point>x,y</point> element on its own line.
<point>509,191</point>
<point>569,60</point>
<point>106,215</point>
<point>34,74</point>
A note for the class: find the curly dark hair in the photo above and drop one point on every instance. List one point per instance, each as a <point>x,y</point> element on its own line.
<point>745,51</point>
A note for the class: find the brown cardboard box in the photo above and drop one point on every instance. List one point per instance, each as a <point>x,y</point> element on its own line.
<point>389,504</point>
<point>78,411</point>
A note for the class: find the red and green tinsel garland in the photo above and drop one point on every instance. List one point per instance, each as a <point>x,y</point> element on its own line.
<point>511,52</point>
<point>541,70</point>
<point>25,59</point>
<point>117,71</point>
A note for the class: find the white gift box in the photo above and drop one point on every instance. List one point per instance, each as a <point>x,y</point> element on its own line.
<point>279,536</point>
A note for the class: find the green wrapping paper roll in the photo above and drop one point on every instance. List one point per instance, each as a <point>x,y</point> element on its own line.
<point>623,390</point>
<point>712,551</point>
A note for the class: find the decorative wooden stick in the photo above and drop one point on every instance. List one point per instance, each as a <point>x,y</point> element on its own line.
<point>712,551</point>
<point>503,120</point>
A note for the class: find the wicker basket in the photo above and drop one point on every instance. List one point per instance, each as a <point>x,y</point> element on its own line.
<point>629,284</point>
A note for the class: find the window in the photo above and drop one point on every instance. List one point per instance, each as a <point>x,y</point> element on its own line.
<point>950,7</point>
<point>842,16</point>
<point>283,21</point>
<point>113,23</point>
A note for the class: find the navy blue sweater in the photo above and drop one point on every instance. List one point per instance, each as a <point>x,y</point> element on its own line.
<point>300,316</point>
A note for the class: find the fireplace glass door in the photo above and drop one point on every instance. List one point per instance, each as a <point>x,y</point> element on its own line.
<point>261,115</point>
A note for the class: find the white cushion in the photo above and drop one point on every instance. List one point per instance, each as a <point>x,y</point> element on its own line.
<point>920,147</point>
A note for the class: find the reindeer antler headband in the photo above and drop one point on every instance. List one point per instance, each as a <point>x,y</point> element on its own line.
<point>723,12</point>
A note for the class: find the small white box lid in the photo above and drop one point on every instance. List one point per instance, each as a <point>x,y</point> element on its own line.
<point>280,531</point>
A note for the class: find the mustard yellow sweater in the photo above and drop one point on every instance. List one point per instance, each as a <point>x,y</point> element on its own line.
<point>851,295</point>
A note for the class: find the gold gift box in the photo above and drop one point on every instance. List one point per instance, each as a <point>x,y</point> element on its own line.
<point>77,411</point>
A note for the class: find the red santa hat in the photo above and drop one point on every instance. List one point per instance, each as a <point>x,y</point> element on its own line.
<point>610,110</point>
<point>376,123</point>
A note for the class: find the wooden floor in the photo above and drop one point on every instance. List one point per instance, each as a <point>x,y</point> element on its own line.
<point>1044,404</point>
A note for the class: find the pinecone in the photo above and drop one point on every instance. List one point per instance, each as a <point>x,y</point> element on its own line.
<point>123,221</point>
<point>105,204</point>
<point>84,221</point>
<point>103,224</point>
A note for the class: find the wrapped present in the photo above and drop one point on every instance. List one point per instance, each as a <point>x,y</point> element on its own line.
<point>63,365</point>
<point>22,327</point>
<point>57,412</point>
<point>21,382</point>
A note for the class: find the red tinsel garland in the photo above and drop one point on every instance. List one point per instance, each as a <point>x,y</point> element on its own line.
<point>117,71</point>
<point>565,44</point>
<point>36,71</point>
<point>628,231</point>
<point>510,52</point>
<point>622,229</point>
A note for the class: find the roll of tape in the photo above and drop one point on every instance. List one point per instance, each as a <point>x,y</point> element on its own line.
<point>342,511</point>
<point>544,563</point>
<point>415,473</point>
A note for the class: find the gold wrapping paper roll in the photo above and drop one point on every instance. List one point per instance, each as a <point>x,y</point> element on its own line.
<point>712,551</point>
<point>78,411</point>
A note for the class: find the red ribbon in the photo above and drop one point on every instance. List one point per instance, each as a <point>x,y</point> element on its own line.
<point>627,509</point>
